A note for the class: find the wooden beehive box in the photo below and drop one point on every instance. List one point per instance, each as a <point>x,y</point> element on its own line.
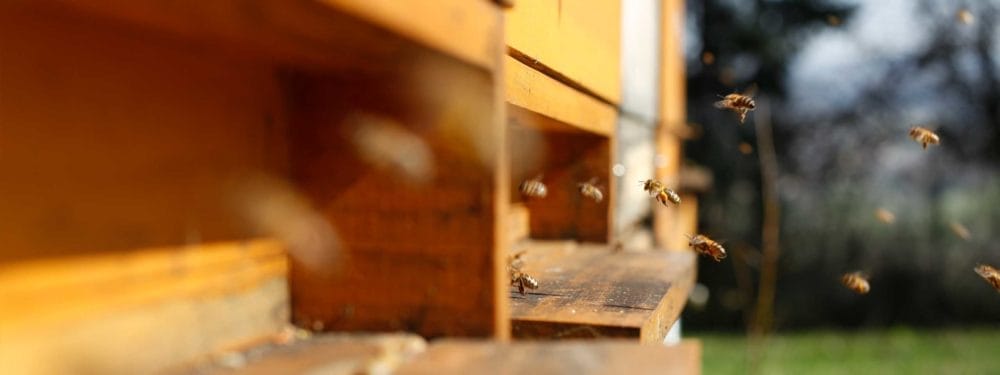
<point>186,179</point>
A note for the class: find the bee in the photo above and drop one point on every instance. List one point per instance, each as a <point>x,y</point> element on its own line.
<point>517,277</point>
<point>990,274</point>
<point>533,188</point>
<point>965,16</point>
<point>885,216</point>
<point>651,186</point>
<point>924,136</point>
<point>706,246</point>
<point>521,280</point>
<point>960,230</point>
<point>856,281</point>
<point>589,190</point>
<point>662,193</point>
<point>739,103</point>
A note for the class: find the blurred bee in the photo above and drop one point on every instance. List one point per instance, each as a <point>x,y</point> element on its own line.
<point>651,186</point>
<point>533,188</point>
<point>517,277</point>
<point>960,230</point>
<point>924,136</point>
<point>856,281</point>
<point>521,280</point>
<point>589,190</point>
<point>739,103</point>
<point>885,216</point>
<point>706,246</point>
<point>965,16</point>
<point>990,274</point>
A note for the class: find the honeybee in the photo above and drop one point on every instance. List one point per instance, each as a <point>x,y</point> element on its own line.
<point>924,136</point>
<point>589,190</point>
<point>533,188</point>
<point>651,186</point>
<point>662,193</point>
<point>517,277</point>
<point>960,230</point>
<point>706,246</point>
<point>739,103</point>
<point>990,274</point>
<point>856,281</point>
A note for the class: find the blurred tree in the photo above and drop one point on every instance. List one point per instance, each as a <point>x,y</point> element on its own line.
<point>840,124</point>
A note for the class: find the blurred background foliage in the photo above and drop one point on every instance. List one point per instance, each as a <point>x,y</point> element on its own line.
<point>844,81</point>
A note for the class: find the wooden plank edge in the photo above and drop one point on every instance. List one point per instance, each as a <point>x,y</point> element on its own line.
<point>669,310</point>
<point>538,101</point>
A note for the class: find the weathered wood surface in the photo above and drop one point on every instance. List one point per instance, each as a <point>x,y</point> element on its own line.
<point>579,40</point>
<point>589,291</point>
<point>565,357</point>
<point>669,142</point>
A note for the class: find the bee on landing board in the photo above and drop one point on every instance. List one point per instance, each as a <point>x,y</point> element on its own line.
<point>739,103</point>
<point>924,136</point>
<point>706,246</point>
<point>533,188</point>
<point>990,274</point>
<point>856,281</point>
<point>517,277</point>
<point>589,190</point>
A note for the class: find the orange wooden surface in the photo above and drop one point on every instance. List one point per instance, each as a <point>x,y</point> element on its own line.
<point>580,40</point>
<point>570,159</point>
<point>302,31</point>
<point>114,140</point>
<point>538,101</point>
<point>669,145</point>
<point>421,254</point>
<point>89,313</point>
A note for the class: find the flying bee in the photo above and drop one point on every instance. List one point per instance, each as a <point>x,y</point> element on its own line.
<point>533,188</point>
<point>706,246</point>
<point>651,186</point>
<point>589,190</point>
<point>666,195</point>
<point>739,103</point>
<point>924,136</point>
<point>856,281</point>
<point>885,216</point>
<point>990,274</point>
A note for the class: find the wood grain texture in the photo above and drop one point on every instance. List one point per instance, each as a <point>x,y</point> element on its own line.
<point>570,159</point>
<point>538,101</point>
<point>87,314</point>
<point>421,253</point>
<point>581,40</point>
<point>301,31</point>
<point>565,357</point>
<point>588,291</point>
<point>518,223</point>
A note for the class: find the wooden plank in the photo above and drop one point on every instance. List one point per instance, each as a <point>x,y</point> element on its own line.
<point>421,252</point>
<point>115,140</point>
<point>540,102</point>
<point>89,313</point>
<point>581,40</point>
<point>570,159</point>
<point>669,145</point>
<point>569,357</point>
<point>518,223</point>
<point>588,291</point>
<point>301,31</point>
<point>322,354</point>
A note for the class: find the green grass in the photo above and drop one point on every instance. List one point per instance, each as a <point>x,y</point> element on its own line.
<point>895,351</point>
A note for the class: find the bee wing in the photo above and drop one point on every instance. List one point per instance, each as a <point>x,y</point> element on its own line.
<point>722,104</point>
